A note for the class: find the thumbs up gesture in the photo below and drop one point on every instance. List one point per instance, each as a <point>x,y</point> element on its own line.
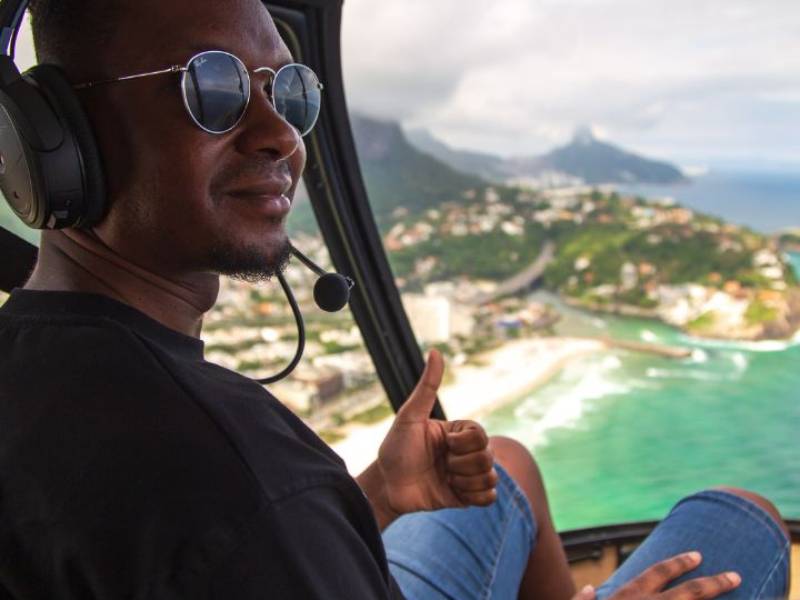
<point>427,464</point>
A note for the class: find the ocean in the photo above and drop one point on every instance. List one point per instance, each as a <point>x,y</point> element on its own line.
<point>622,436</point>
<point>767,201</point>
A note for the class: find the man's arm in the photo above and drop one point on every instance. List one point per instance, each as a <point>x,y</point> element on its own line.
<point>373,485</point>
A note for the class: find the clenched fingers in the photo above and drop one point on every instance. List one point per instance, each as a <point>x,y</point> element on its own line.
<point>477,490</point>
<point>470,464</point>
<point>467,437</point>
<point>475,483</point>
<point>484,498</point>
<point>476,463</point>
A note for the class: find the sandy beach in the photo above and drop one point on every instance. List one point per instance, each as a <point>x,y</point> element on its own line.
<point>515,369</point>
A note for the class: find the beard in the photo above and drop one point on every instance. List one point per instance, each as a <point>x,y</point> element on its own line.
<point>253,264</point>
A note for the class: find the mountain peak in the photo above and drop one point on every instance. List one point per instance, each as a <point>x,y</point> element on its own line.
<point>589,157</point>
<point>584,136</point>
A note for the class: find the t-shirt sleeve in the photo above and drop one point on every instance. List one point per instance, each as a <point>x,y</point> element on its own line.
<point>303,547</point>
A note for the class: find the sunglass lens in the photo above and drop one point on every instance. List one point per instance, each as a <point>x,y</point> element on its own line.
<point>217,89</point>
<point>297,95</point>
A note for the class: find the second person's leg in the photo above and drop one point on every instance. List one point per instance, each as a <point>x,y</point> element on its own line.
<point>733,530</point>
<point>547,575</point>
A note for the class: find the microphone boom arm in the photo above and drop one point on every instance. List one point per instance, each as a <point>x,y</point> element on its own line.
<point>331,293</point>
<point>307,262</point>
<point>301,334</point>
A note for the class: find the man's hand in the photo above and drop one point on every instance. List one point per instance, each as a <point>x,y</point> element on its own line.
<point>649,585</point>
<point>426,464</point>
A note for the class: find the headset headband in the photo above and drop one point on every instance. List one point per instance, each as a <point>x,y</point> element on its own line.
<point>11,13</point>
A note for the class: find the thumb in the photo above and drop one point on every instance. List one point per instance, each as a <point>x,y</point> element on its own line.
<point>587,593</point>
<point>420,403</point>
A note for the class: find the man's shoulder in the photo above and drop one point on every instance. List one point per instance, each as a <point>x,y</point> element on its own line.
<point>93,386</point>
<point>72,337</point>
<point>100,427</point>
<point>90,395</point>
<point>75,353</point>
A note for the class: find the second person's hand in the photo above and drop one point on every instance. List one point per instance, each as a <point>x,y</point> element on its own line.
<point>651,583</point>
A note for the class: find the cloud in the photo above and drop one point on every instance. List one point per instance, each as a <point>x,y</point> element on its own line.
<point>516,76</point>
<point>681,79</point>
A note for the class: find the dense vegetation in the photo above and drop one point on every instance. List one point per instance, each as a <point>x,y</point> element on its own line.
<point>790,240</point>
<point>678,255</point>
<point>493,255</point>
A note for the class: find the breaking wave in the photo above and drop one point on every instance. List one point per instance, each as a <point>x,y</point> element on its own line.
<point>648,336</point>
<point>758,346</point>
<point>563,403</point>
<point>699,356</point>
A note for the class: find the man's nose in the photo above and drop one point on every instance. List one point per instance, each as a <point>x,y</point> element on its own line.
<point>264,130</point>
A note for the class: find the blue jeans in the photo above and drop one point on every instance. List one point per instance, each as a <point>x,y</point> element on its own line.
<point>481,553</point>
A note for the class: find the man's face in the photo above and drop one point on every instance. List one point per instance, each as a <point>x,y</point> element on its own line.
<point>183,200</point>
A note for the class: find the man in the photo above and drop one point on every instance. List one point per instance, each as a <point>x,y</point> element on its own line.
<point>130,467</point>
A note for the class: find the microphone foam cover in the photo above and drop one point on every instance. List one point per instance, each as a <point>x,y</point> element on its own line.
<point>332,292</point>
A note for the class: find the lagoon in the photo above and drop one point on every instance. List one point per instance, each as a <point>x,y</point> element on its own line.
<point>621,436</point>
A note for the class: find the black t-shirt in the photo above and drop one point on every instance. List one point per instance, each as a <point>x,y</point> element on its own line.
<point>132,468</point>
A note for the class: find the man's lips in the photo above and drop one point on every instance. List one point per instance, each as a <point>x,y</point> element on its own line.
<point>271,201</point>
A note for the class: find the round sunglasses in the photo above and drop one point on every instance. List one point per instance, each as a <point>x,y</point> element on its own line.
<point>216,91</point>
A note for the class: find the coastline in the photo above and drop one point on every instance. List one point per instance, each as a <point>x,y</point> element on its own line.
<point>789,324</point>
<point>515,369</point>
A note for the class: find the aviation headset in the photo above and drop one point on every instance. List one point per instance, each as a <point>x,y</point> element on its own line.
<point>51,172</point>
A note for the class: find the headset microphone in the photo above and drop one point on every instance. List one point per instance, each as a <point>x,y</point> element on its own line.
<point>331,293</point>
<point>332,290</point>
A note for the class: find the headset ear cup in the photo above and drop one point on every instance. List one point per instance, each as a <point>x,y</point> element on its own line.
<point>59,93</point>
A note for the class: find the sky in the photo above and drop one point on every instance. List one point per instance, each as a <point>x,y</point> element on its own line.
<point>698,82</point>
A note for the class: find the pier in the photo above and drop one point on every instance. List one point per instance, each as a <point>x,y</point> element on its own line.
<point>647,348</point>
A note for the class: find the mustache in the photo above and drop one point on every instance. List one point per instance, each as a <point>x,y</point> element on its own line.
<point>253,167</point>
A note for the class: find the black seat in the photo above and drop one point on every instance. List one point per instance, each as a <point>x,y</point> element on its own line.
<point>17,259</point>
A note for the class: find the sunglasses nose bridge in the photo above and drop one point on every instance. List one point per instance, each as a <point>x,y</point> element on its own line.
<point>269,88</point>
<point>269,81</point>
<point>287,135</point>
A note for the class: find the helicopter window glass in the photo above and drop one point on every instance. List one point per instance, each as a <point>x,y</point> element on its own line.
<point>591,209</point>
<point>25,56</point>
<point>334,389</point>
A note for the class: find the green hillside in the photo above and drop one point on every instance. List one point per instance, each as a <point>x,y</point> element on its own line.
<point>399,176</point>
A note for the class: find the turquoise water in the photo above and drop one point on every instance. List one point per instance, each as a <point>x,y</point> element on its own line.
<point>621,436</point>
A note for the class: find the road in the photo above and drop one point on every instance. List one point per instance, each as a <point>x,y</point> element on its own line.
<point>524,279</point>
